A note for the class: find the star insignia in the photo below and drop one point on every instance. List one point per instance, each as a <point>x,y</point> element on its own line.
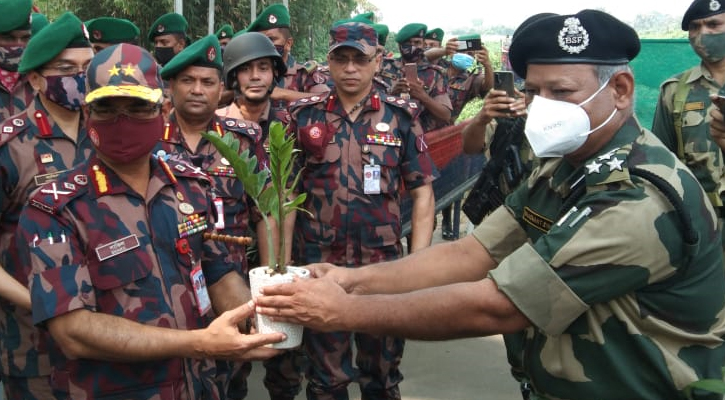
<point>129,70</point>
<point>607,155</point>
<point>615,164</point>
<point>593,167</point>
<point>114,71</point>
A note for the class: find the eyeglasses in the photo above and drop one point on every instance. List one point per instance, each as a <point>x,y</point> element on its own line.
<point>138,111</point>
<point>65,68</point>
<point>359,60</point>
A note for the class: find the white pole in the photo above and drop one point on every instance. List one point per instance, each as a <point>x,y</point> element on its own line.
<point>211,17</point>
<point>253,7</point>
<point>179,6</point>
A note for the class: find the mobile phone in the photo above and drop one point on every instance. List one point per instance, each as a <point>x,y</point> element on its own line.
<point>504,80</point>
<point>469,45</point>
<point>411,72</point>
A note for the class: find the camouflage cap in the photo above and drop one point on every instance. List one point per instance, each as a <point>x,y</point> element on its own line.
<point>124,70</point>
<point>411,31</point>
<point>383,32</point>
<point>587,37</point>
<point>65,32</point>
<point>38,21</point>
<point>274,16</point>
<point>226,31</point>
<point>16,14</point>
<point>205,52</point>
<point>357,35</point>
<point>435,34</point>
<point>701,9</point>
<point>112,30</point>
<point>166,24</point>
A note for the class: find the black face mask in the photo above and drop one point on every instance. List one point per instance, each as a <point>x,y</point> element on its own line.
<point>411,53</point>
<point>280,50</point>
<point>163,54</point>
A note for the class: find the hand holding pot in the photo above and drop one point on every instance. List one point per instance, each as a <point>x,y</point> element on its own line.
<point>315,303</point>
<point>223,340</point>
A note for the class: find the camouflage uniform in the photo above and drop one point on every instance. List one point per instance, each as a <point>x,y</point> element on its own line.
<point>611,321</point>
<point>701,154</point>
<point>33,151</point>
<point>350,228</point>
<point>461,90</point>
<point>435,82</point>
<point>15,99</point>
<point>302,78</point>
<point>104,248</point>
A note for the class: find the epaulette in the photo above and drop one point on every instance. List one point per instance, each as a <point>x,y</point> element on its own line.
<point>183,169</point>
<point>12,127</point>
<point>52,197</point>
<point>378,80</point>
<point>435,67</point>
<point>608,168</point>
<point>325,69</point>
<point>410,106</point>
<point>310,66</point>
<point>250,129</point>
<point>388,75</point>
<point>318,98</point>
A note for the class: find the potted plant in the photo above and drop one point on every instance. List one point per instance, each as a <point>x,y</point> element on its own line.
<point>272,193</point>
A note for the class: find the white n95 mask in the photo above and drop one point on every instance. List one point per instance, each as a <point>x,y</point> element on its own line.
<point>555,128</point>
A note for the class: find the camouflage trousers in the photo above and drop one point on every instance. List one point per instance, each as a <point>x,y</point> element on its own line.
<point>283,376</point>
<point>23,388</point>
<point>331,369</point>
<point>232,379</point>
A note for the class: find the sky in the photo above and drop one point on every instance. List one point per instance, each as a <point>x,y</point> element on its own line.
<point>448,14</point>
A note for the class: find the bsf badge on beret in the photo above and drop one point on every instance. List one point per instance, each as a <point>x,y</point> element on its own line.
<point>272,19</point>
<point>160,28</point>
<point>714,5</point>
<point>97,34</point>
<point>210,54</point>
<point>573,38</point>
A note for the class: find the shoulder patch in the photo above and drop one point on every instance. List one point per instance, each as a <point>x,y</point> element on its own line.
<point>608,168</point>
<point>410,106</point>
<point>307,101</point>
<point>54,196</point>
<point>310,66</point>
<point>249,129</point>
<point>12,127</point>
<point>183,169</point>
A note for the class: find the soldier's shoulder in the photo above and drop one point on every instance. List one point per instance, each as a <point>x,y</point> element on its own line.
<point>53,197</point>
<point>245,128</point>
<point>310,66</point>
<point>410,107</point>
<point>310,101</point>
<point>13,126</point>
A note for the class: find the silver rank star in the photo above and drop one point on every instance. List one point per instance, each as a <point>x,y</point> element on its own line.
<point>607,155</point>
<point>615,164</point>
<point>593,167</point>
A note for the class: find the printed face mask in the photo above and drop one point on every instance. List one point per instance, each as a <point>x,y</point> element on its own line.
<point>411,53</point>
<point>10,57</point>
<point>709,46</point>
<point>125,139</point>
<point>68,91</point>
<point>280,49</point>
<point>555,128</point>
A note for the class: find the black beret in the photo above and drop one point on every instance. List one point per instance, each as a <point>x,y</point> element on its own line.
<point>588,37</point>
<point>701,9</point>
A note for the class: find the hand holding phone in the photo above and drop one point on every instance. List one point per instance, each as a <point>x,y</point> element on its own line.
<point>411,72</point>
<point>504,80</point>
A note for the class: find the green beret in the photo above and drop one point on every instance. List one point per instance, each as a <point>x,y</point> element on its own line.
<point>240,32</point>
<point>166,24</point>
<point>370,16</point>
<point>226,31</point>
<point>38,21</point>
<point>383,33</point>
<point>274,16</point>
<point>588,37</point>
<point>701,9</point>
<point>112,30</point>
<point>411,31</point>
<point>16,14</point>
<point>205,52</point>
<point>65,32</point>
<point>435,34</point>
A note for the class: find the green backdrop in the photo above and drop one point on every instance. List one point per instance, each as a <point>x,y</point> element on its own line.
<point>658,60</point>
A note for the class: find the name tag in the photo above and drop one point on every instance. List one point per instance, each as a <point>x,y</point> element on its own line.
<point>117,247</point>
<point>698,105</point>
<point>45,178</point>
<point>536,220</point>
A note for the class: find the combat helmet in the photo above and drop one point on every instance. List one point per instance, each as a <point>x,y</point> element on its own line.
<point>247,47</point>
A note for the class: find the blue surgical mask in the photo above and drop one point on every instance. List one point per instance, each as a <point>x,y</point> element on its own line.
<point>462,61</point>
